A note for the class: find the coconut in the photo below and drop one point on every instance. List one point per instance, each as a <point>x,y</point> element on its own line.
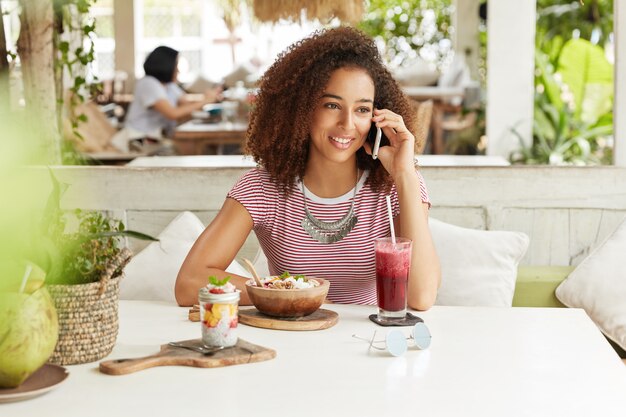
<point>29,330</point>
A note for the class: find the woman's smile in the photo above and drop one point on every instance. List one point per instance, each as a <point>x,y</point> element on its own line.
<point>341,142</point>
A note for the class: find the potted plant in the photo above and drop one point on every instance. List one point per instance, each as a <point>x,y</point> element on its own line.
<point>84,268</point>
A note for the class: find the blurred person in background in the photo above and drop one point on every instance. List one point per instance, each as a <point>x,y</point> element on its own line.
<point>158,103</point>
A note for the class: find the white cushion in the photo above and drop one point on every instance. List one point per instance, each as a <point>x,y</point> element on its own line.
<point>478,267</point>
<point>151,274</point>
<point>598,285</point>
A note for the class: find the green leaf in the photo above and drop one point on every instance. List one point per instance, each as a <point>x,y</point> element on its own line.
<point>128,233</point>
<point>213,280</point>
<point>583,65</point>
<point>542,142</point>
<point>78,81</point>
<point>597,102</point>
<point>64,47</point>
<point>604,130</point>
<point>554,48</point>
<point>543,126</point>
<point>546,78</point>
<point>51,222</point>
<point>78,135</point>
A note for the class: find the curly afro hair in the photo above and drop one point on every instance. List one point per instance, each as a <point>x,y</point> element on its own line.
<point>279,132</point>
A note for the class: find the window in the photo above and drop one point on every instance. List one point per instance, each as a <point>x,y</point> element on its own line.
<point>104,41</point>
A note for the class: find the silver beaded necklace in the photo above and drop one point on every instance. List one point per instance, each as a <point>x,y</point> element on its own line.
<point>329,232</point>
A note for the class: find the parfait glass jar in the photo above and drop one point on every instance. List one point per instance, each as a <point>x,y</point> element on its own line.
<point>219,318</point>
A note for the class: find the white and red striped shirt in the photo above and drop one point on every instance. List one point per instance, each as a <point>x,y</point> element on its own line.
<point>349,264</point>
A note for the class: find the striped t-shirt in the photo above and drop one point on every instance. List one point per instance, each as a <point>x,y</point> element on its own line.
<point>349,264</point>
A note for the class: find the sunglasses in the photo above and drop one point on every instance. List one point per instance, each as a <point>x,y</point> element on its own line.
<point>395,342</point>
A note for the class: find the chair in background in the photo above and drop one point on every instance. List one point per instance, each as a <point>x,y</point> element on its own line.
<point>424,117</point>
<point>449,118</point>
<point>97,132</point>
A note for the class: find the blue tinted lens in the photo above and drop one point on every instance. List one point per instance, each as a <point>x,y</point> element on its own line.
<point>396,343</point>
<point>421,335</point>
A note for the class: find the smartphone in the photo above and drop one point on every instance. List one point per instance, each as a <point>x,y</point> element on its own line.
<point>376,146</point>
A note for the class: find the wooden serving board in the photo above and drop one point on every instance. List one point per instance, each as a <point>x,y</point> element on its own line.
<point>242,352</point>
<point>319,320</point>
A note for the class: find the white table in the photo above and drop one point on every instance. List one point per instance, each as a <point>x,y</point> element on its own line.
<point>482,362</point>
<point>193,137</point>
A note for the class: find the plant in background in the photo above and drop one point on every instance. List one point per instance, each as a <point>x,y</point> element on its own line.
<point>82,256</point>
<point>568,19</point>
<point>73,39</point>
<point>410,28</point>
<point>565,132</point>
<point>53,51</point>
<point>88,252</point>
<point>573,118</point>
<point>71,156</point>
<point>83,278</point>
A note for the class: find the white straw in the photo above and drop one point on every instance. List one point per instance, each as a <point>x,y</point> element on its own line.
<point>393,232</point>
<point>29,268</point>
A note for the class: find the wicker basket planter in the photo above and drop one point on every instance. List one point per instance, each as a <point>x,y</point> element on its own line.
<point>88,316</point>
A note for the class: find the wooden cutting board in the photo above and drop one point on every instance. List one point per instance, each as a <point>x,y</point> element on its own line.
<point>319,320</point>
<point>242,352</point>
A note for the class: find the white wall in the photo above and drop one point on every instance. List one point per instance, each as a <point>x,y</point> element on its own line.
<point>510,66</point>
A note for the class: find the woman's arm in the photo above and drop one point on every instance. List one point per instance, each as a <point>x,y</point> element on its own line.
<point>185,107</point>
<point>177,112</point>
<point>412,223</point>
<point>214,250</point>
<point>211,95</point>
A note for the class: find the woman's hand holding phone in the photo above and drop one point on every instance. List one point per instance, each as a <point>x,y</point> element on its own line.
<point>398,156</point>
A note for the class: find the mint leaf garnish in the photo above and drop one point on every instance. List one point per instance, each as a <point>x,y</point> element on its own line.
<point>215,281</point>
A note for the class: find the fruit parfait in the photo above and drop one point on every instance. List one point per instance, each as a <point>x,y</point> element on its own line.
<point>218,312</point>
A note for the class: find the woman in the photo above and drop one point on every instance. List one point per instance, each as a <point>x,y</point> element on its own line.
<point>317,200</point>
<point>158,101</point>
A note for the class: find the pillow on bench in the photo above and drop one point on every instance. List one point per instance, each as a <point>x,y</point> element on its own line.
<point>598,285</point>
<point>478,267</point>
<point>151,274</point>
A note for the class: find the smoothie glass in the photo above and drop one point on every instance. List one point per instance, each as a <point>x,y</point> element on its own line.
<point>393,263</point>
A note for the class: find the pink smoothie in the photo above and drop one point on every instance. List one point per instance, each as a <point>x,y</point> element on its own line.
<point>392,274</point>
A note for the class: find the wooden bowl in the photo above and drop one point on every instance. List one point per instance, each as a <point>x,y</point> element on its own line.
<point>288,303</point>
